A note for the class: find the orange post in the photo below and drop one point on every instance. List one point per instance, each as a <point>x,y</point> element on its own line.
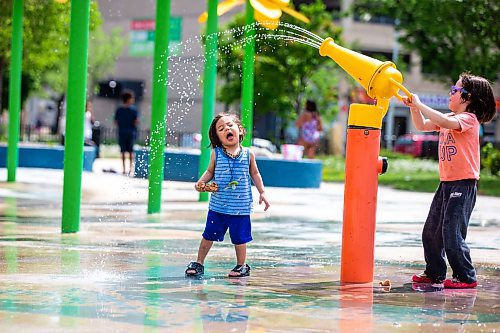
<point>360,204</point>
<point>381,81</point>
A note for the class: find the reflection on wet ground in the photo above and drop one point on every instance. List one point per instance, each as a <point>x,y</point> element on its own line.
<point>124,272</point>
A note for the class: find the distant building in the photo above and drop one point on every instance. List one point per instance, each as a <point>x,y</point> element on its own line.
<point>134,67</point>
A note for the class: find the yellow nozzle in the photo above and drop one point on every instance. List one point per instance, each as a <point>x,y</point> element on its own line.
<point>381,80</point>
<point>265,21</point>
<point>268,12</point>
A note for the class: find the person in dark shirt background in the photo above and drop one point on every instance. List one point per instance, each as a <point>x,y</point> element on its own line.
<point>127,120</point>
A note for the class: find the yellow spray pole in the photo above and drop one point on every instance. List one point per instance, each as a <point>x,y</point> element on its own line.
<point>381,81</point>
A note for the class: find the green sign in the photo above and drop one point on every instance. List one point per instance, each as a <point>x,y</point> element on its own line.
<point>142,37</point>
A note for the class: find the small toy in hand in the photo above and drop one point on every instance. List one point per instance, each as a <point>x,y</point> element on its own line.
<point>211,187</point>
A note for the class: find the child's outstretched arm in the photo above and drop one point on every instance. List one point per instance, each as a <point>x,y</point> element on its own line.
<point>207,175</point>
<point>257,180</point>
<point>436,117</point>
<point>420,122</point>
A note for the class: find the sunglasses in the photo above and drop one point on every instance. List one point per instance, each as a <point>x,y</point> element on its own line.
<point>454,89</point>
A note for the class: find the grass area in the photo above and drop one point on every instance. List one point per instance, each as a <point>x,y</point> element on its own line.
<point>406,173</point>
<point>489,185</point>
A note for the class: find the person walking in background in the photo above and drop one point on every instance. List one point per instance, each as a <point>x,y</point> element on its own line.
<point>87,125</point>
<point>127,120</point>
<point>310,127</point>
<point>471,103</point>
<point>231,167</point>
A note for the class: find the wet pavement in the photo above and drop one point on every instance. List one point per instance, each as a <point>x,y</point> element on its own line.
<point>124,270</point>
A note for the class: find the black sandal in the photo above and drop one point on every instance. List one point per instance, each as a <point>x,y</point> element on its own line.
<point>198,269</point>
<point>242,270</point>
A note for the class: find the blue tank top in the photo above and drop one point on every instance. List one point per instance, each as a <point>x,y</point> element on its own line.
<point>234,196</point>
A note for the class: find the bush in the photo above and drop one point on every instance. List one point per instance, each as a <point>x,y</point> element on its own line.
<point>490,160</point>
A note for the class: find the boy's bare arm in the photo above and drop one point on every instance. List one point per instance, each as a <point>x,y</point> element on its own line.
<point>257,180</point>
<point>421,123</point>
<point>255,174</point>
<point>438,118</point>
<point>435,117</point>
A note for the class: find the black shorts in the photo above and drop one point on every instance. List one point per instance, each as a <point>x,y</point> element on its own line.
<point>126,142</point>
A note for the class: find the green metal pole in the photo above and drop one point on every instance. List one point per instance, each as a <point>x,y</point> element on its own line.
<point>10,231</point>
<point>159,107</point>
<point>154,302</point>
<point>75,114</point>
<point>16,60</point>
<point>248,77</point>
<point>70,300</point>
<point>209,81</point>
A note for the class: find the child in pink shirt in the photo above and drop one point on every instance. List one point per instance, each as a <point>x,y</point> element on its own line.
<point>471,103</point>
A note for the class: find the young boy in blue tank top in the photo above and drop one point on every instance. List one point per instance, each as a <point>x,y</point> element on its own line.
<point>232,167</point>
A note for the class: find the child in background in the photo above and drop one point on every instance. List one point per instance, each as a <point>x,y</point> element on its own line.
<point>231,166</point>
<point>310,127</point>
<point>471,103</point>
<point>127,120</point>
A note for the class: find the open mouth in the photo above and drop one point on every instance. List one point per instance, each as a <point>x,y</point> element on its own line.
<point>230,136</point>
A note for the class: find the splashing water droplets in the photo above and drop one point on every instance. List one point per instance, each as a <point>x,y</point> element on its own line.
<point>185,72</point>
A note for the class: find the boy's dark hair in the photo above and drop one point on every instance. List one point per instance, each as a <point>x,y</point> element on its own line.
<point>311,106</point>
<point>127,95</point>
<point>212,131</point>
<point>480,94</point>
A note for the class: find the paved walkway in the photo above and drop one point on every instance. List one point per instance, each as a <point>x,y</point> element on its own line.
<point>123,272</point>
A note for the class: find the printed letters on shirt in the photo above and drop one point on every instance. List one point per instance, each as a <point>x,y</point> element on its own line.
<point>447,146</point>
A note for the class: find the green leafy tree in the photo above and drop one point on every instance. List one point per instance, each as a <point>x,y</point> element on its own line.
<point>104,48</point>
<point>451,36</point>
<point>286,73</point>
<point>45,41</point>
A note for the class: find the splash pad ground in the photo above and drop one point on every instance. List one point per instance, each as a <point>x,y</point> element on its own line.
<point>123,272</point>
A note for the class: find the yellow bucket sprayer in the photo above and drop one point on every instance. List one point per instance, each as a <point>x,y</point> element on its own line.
<point>382,81</point>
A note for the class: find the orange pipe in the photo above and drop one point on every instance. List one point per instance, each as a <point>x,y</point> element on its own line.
<point>360,204</point>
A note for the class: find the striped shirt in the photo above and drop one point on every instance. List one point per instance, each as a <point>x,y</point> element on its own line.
<point>234,196</point>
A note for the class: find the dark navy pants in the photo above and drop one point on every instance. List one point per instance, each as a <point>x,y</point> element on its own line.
<point>446,228</point>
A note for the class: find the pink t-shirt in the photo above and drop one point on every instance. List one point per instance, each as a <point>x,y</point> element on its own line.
<point>459,149</point>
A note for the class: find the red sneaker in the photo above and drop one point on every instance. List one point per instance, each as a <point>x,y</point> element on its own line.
<point>423,278</point>
<point>457,284</point>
